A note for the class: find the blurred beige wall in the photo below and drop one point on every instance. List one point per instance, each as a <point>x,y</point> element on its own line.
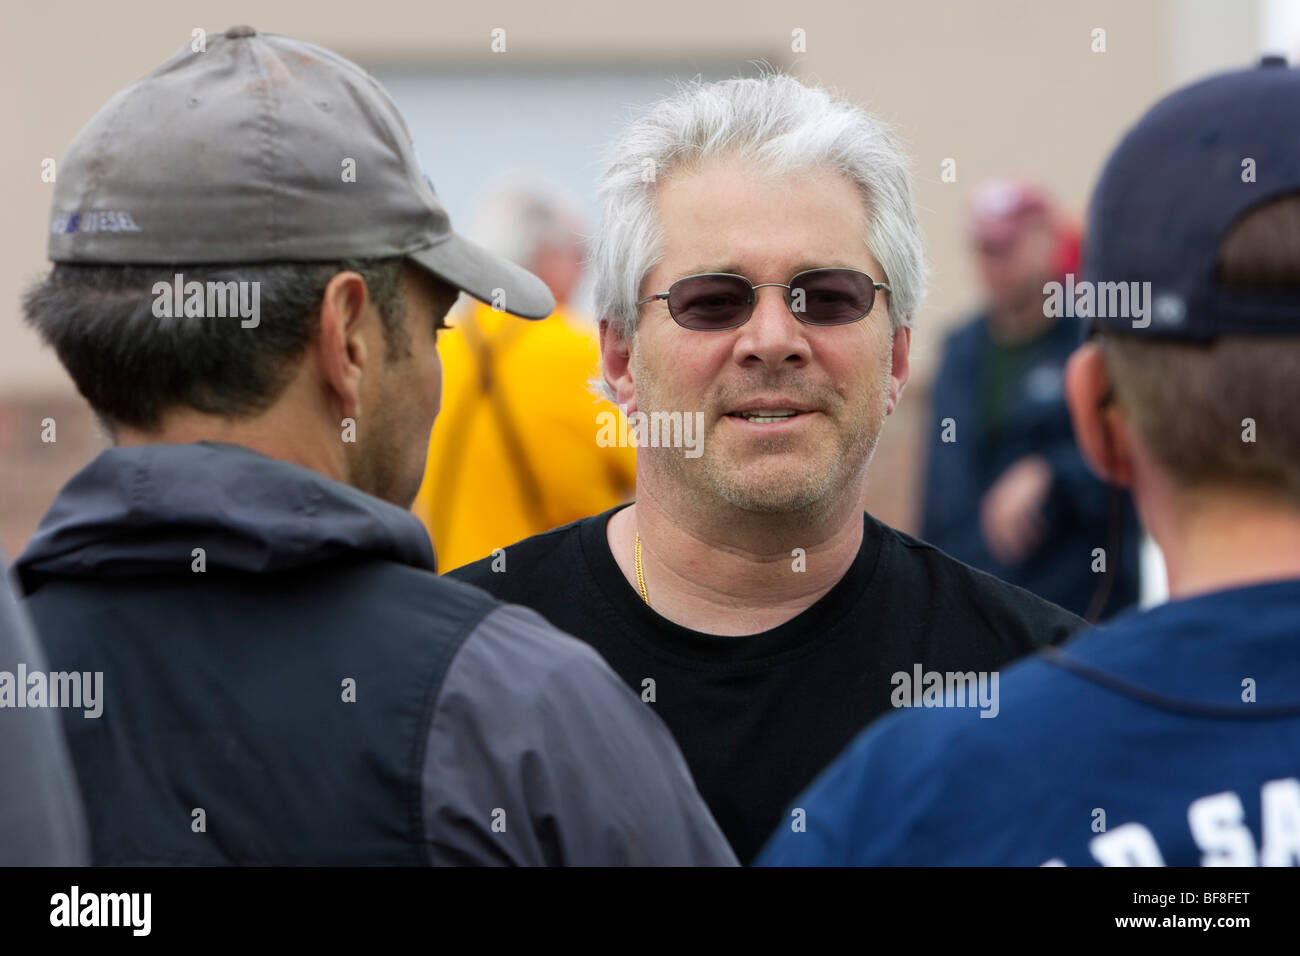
<point>997,86</point>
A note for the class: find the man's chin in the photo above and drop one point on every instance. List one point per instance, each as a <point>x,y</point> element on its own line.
<point>778,454</point>
<point>780,492</point>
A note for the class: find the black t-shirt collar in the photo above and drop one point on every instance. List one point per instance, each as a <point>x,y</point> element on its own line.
<point>800,632</point>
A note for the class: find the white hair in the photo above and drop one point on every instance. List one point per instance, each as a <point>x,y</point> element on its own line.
<point>782,126</point>
<point>518,219</point>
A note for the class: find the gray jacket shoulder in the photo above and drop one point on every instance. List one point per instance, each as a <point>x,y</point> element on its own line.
<point>538,754</point>
<point>42,822</point>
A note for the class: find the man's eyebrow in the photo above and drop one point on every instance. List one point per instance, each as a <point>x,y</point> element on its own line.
<point>806,265</point>
<point>729,267</point>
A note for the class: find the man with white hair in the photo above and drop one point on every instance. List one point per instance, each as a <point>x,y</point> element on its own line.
<point>757,270</point>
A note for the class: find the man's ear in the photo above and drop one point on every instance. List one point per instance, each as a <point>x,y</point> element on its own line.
<point>1100,427</point>
<point>900,368</point>
<point>341,347</point>
<point>616,364</point>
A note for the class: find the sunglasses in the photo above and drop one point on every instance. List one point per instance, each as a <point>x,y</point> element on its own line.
<point>717,301</point>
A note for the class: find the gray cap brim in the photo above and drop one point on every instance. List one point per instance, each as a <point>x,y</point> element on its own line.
<point>487,277</point>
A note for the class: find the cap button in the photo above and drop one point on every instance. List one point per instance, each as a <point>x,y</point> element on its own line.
<point>234,33</point>
<point>1272,59</point>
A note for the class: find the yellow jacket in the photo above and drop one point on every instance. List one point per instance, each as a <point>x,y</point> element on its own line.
<point>514,451</point>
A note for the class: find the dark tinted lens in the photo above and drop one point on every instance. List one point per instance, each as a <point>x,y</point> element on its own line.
<point>831,296</point>
<point>710,302</point>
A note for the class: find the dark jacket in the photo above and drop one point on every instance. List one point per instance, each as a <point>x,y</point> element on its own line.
<point>286,680</point>
<point>1036,421</point>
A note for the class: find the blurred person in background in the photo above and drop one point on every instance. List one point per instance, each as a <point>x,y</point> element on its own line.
<point>515,450</point>
<point>1006,490</point>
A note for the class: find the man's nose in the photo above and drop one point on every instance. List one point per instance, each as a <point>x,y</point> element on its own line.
<point>772,336</point>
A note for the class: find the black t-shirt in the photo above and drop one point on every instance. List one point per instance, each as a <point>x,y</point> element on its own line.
<point>757,717</point>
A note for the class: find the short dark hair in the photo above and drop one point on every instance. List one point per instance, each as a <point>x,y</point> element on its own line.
<point>1190,401</point>
<point>133,367</point>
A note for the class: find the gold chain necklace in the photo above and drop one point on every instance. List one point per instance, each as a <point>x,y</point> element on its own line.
<point>640,574</point>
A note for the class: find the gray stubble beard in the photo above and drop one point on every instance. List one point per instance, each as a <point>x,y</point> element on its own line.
<point>809,497</point>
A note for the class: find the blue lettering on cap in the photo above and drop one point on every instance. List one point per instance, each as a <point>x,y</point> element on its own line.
<point>419,162</point>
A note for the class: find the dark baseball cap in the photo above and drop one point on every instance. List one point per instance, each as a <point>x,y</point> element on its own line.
<point>1192,167</point>
<point>261,148</point>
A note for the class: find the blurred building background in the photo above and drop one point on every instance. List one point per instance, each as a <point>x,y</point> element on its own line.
<point>515,88</point>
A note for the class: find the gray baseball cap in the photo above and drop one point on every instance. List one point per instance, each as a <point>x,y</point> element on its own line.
<point>263,148</point>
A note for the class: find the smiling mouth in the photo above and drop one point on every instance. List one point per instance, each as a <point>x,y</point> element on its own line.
<point>767,416</point>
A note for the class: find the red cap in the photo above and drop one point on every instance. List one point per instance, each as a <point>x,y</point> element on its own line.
<point>1001,208</point>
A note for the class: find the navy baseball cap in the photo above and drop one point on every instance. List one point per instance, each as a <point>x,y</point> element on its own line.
<point>1193,166</point>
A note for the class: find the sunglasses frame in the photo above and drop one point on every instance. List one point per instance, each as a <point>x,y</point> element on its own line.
<point>753,297</point>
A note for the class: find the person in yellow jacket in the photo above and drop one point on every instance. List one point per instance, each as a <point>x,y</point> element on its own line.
<point>514,451</point>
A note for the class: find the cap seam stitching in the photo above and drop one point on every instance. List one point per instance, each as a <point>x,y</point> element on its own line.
<point>267,151</point>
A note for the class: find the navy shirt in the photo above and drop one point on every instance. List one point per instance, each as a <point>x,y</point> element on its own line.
<point>1169,737</point>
